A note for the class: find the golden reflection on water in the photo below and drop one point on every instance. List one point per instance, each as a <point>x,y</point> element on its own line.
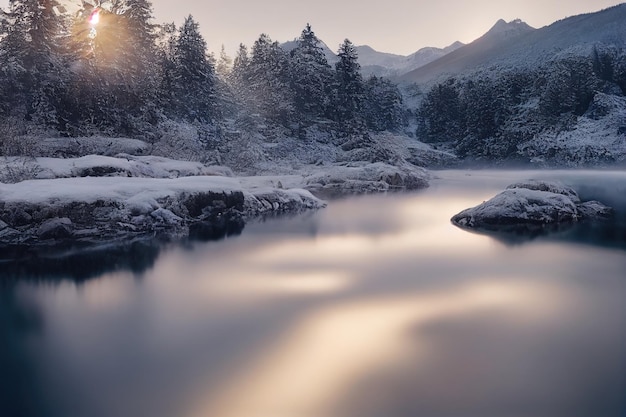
<point>324,354</point>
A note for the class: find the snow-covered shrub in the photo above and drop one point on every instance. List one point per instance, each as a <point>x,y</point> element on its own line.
<point>18,169</point>
<point>179,141</point>
<point>14,138</point>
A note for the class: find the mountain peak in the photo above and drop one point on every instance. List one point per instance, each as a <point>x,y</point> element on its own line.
<point>512,28</point>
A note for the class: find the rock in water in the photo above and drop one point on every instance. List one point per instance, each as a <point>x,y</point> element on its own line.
<point>531,204</point>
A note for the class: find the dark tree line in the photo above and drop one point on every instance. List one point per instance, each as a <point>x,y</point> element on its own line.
<point>488,116</point>
<point>126,75</point>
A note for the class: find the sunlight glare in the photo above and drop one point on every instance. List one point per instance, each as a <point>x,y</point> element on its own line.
<point>94,18</point>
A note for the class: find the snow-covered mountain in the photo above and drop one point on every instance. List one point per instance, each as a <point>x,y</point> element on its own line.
<point>380,63</point>
<point>515,44</point>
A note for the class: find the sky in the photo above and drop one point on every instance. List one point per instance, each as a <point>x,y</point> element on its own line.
<point>395,26</point>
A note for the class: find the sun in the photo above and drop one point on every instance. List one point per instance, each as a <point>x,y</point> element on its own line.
<point>94,18</point>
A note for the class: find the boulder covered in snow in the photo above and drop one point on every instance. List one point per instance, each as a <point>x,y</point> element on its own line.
<point>360,178</point>
<point>531,205</point>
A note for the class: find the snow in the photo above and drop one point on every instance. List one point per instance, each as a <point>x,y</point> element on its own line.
<point>132,166</point>
<point>527,48</point>
<point>550,187</point>
<point>104,197</point>
<point>367,178</point>
<point>110,188</point>
<point>81,146</point>
<point>530,203</point>
<point>519,206</point>
<point>597,138</point>
<point>101,208</point>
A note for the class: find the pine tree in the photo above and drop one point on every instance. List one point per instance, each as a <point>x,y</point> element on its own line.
<point>194,75</point>
<point>33,53</point>
<point>239,78</point>
<point>116,76</point>
<point>311,76</point>
<point>383,108</point>
<point>348,84</point>
<point>268,80</point>
<point>167,35</point>
<point>441,113</point>
<point>224,64</point>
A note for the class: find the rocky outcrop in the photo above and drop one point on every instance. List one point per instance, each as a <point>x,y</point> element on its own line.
<point>531,205</point>
<point>360,178</point>
<point>107,209</point>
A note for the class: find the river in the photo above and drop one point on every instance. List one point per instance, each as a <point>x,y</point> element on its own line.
<point>376,306</point>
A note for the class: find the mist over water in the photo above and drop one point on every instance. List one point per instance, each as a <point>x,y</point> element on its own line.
<point>375,306</point>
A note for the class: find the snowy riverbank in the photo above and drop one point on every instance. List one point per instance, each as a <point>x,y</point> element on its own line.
<point>96,198</point>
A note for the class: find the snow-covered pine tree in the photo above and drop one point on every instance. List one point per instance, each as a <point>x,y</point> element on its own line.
<point>569,89</point>
<point>139,60</point>
<point>239,78</point>
<point>194,75</point>
<point>311,76</point>
<point>224,64</point>
<point>268,80</point>
<point>440,115</point>
<point>32,49</point>
<point>383,108</point>
<point>115,72</point>
<point>349,87</point>
<point>167,35</point>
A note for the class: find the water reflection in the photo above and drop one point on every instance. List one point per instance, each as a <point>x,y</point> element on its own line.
<point>391,312</point>
<point>79,263</point>
<point>313,368</point>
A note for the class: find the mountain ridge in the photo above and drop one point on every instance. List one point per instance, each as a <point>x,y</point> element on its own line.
<point>523,47</point>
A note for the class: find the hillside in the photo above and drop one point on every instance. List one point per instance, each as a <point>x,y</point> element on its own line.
<point>522,46</point>
<point>553,96</point>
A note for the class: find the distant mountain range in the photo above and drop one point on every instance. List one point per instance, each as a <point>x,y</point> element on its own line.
<point>511,44</point>
<point>515,44</point>
<point>378,63</point>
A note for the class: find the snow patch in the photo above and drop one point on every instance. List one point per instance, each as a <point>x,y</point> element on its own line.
<point>528,204</point>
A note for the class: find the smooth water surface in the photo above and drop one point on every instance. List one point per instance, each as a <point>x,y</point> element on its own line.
<point>374,307</point>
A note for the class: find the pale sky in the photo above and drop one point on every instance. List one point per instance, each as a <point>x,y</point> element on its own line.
<point>396,26</point>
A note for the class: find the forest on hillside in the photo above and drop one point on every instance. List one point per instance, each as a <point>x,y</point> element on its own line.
<point>496,115</point>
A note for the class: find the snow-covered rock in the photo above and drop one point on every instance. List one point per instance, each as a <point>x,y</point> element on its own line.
<point>109,208</point>
<point>123,165</point>
<point>551,187</point>
<point>361,178</point>
<point>530,204</point>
